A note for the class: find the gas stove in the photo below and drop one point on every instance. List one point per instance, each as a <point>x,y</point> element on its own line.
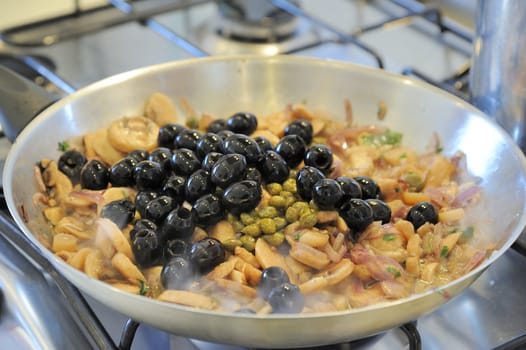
<point>73,50</point>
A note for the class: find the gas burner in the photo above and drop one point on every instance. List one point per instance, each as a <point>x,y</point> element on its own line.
<point>254,21</point>
<point>20,65</point>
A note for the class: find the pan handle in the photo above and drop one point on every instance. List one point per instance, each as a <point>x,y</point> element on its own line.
<point>20,101</point>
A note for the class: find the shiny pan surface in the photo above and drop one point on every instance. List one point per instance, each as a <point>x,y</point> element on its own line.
<point>222,86</point>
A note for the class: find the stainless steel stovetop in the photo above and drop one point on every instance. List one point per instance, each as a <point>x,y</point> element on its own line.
<point>399,35</point>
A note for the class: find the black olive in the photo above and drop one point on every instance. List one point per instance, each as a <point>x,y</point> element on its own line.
<point>209,160</point>
<point>319,156</point>
<point>148,176</point>
<point>94,175</point>
<point>292,149</point>
<point>207,254</point>
<point>228,169</point>
<point>140,225</point>
<point>216,126</point>
<point>370,188</point>
<point>271,277</point>
<point>187,139</point>
<point>327,194</point>
<point>71,163</point>
<point>175,188</point>
<point>142,199</point>
<point>158,208</point>
<point>350,187</point>
<point>422,212</point>
<point>197,184</point>
<point>286,298</point>
<point>264,144</point>
<point>242,196</point>
<point>163,156</point>
<point>121,173</point>
<point>225,133</point>
<point>121,212</point>
<point>177,273</point>
<point>179,224</point>
<point>242,123</point>
<point>146,248</point>
<point>168,133</point>
<point>209,143</point>
<point>139,155</point>
<point>244,145</point>
<point>185,161</point>
<point>273,167</point>
<point>357,214</point>
<point>305,180</point>
<point>253,173</point>
<point>381,211</point>
<point>302,128</point>
<point>207,210</point>
<point>175,247</point>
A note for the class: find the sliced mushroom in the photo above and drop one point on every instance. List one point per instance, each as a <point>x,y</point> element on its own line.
<point>161,109</point>
<point>132,133</point>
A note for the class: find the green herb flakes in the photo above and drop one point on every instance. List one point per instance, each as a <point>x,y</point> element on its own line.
<point>393,270</point>
<point>63,146</point>
<point>467,234</point>
<point>389,237</point>
<point>143,287</point>
<point>387,137</point>
<point>444,252</point>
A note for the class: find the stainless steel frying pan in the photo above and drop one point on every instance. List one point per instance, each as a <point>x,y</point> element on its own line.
<point>223,86</point>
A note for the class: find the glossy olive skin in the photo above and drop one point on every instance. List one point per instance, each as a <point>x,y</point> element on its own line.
<point>146,248</point>
<point>94,175</point>
<point>242,123</point>
<point>252,173</point>
<point>188,138</point>
<point>381,211</point>
<point>139,155</point>
<point>350,187</point>
<point>177,273</point>
<point>271,277</point>
<point>185,161</point>
<point>178,224</point>
<point>292,149</point>
<point>242,196</point>
<point>286,298</point>
<point>422,212</point>
<point>142,199</point>
<point>121,212</point>
<point>305,180</point>
<point>244,145</point>
<point>148,176</point>
<point>302,128</point>
<point>158,208</point>
<point>370,188</point>
<point>208,210</point>
<point>228,169</point>
<point>175,187</point>
<point>163,156</point>
<point>264,144</point>
<point>210,142</point>
<point>216,126</point>
<point>357,214</point>
<point>327,194</point>
<point>122,172</point>
<point>175,247</point>
<point>209,160</point>
<point>142,224</point>
<point>168,133</point>
<point>273,167</point>
<point>206,254</point>
<point>319,156</point>
<point>198,184</point>
<point>71,163</point>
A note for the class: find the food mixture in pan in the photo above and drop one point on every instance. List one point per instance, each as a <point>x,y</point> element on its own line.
<point>289,213</point>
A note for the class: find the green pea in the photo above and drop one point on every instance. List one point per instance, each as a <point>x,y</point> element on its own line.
<point>231,244</point>
<point>249,242</point>
<point>290,185</point>
<point>268,212</point>
<point>274,188</point>
<point>280,222</point>
<point>301,205</point>
<point>267,226</point>
<point>277,201</point>
<point>238,226</point>
<point>252,230</point>
<point>292,214</point>
<point>246,218</point>
<point>308,220</point>
<point>274,239</point>
<point>293,174</point>
<point>231,218</point>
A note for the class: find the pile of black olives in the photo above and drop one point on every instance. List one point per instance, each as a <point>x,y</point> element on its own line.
<point>195,179</point>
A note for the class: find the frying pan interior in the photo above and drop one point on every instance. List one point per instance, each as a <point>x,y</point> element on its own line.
<point>223,86</point>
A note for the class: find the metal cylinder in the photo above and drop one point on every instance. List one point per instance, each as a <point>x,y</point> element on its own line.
<point>498,73</point>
